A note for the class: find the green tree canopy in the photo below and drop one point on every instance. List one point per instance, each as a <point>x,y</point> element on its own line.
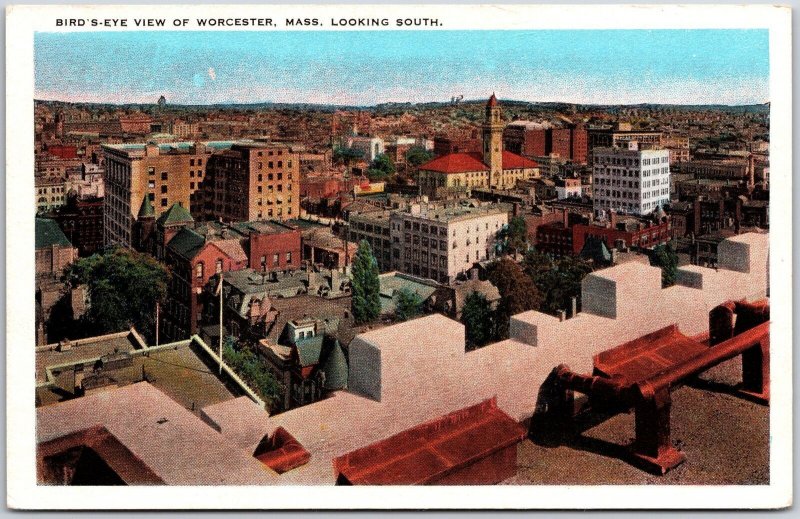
<point>345,155</point>
<point>381,167</point>
<point>124,287</point>
<point>253,371</point>
<point>666,259</point>
<point>477,318</point>
<point>366,302</point>
<point>417,155</point>
<point>516,235</point>
<point>409,304</point>
<point>517,293</point>
<point>557,280</point>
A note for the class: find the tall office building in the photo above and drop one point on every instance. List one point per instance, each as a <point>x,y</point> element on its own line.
<point>630,180</point>
<point>252,180</point>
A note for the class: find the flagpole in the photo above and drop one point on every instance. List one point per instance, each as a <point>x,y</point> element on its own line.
<point>157,315</point>
<point>220,322</point>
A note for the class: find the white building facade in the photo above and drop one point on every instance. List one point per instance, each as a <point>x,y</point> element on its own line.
<point>442,243</point>
<point>630,181</point>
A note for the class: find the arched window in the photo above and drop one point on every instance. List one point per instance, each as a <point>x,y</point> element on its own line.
<point>199,271</point>
<point>219,266</point>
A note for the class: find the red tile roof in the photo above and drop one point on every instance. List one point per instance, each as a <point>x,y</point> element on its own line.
<point>492,101</point>
<point>468,162</point>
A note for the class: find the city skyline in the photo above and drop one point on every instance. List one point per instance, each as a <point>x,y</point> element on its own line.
<point>367,67</point>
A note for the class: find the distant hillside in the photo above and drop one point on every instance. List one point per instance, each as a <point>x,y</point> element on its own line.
<point>392,107</point>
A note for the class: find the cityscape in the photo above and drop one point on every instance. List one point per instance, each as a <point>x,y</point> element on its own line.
<point>322,285</point>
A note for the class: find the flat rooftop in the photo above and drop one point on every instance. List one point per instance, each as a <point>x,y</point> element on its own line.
<point>180,372</point>
<point>725,439</point>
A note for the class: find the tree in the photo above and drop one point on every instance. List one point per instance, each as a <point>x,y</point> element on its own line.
<point>516,235</point>
<point>666,259</point>
<point>477,318</point>
<point>557,280</point>
<point>253,371</point>
<point>409,304</point>
<point>366,302</point>
<point>344,155</point>
<point>381,167</point>
<point>124,287</point>
<point>417,155</point>
<point>517,293</point>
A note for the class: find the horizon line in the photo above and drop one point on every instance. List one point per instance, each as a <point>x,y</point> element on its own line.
<point>375,105</point>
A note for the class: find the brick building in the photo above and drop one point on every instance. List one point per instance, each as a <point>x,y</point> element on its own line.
<point>568,236</point>
<point>454,175</point>
<point>81,220</point>
<point>197,252</point>
<point>252,181</point>
<point>168,173</point>
<point>533,139</point>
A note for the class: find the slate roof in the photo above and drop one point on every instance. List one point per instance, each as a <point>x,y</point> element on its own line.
<point>146,208</point>
<point>48,233</point>
<point>335,368</point>
<point>175,214</point>
<point>309,350</point>
<point>187,243</point>
<point>595,249</point>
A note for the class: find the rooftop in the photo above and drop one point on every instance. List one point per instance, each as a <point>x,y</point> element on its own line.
<point>169,440</point>
<point>48,233</point>
<point>469,162</point>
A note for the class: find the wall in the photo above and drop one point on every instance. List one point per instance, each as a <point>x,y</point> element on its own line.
<point>406,374</point>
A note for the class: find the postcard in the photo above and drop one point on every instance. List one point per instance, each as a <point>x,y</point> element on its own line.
<point>457,257</point>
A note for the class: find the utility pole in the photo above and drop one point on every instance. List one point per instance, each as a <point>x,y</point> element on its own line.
<point>158,308</point>
<point>219,288</point>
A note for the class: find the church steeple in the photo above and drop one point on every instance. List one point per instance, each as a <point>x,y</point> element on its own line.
<point>493,141</point>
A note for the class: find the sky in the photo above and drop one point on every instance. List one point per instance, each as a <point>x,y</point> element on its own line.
<point>370,67</point>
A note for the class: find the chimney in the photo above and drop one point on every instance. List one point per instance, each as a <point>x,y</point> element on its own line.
<point>613,218</point>
<point>562,315</point>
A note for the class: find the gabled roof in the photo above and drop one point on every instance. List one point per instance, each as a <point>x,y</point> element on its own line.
<point>308,350</point>
<point>48,233</point>
<point>595,249</point>
<point>232,248</point>
<point>146,208</point>
<point>175,214</point>
<point>469,162</point>
<point>187,243</point>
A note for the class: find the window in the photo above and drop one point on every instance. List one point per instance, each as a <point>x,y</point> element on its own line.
<point>151,171</point>
<point>219,266</point>
<point>276,259</point>
<point>163,190</point>
<point>191,162</point>
<point>199,271</point>
<point>163,202</point>
<point>263,263</point>
<point>288,258</point>
<point>151,184</point>
<point>191,185</point>
<point>163,175</point>
<point>199,162</point>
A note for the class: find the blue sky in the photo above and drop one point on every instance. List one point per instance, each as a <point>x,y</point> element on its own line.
<point>367,67</point>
